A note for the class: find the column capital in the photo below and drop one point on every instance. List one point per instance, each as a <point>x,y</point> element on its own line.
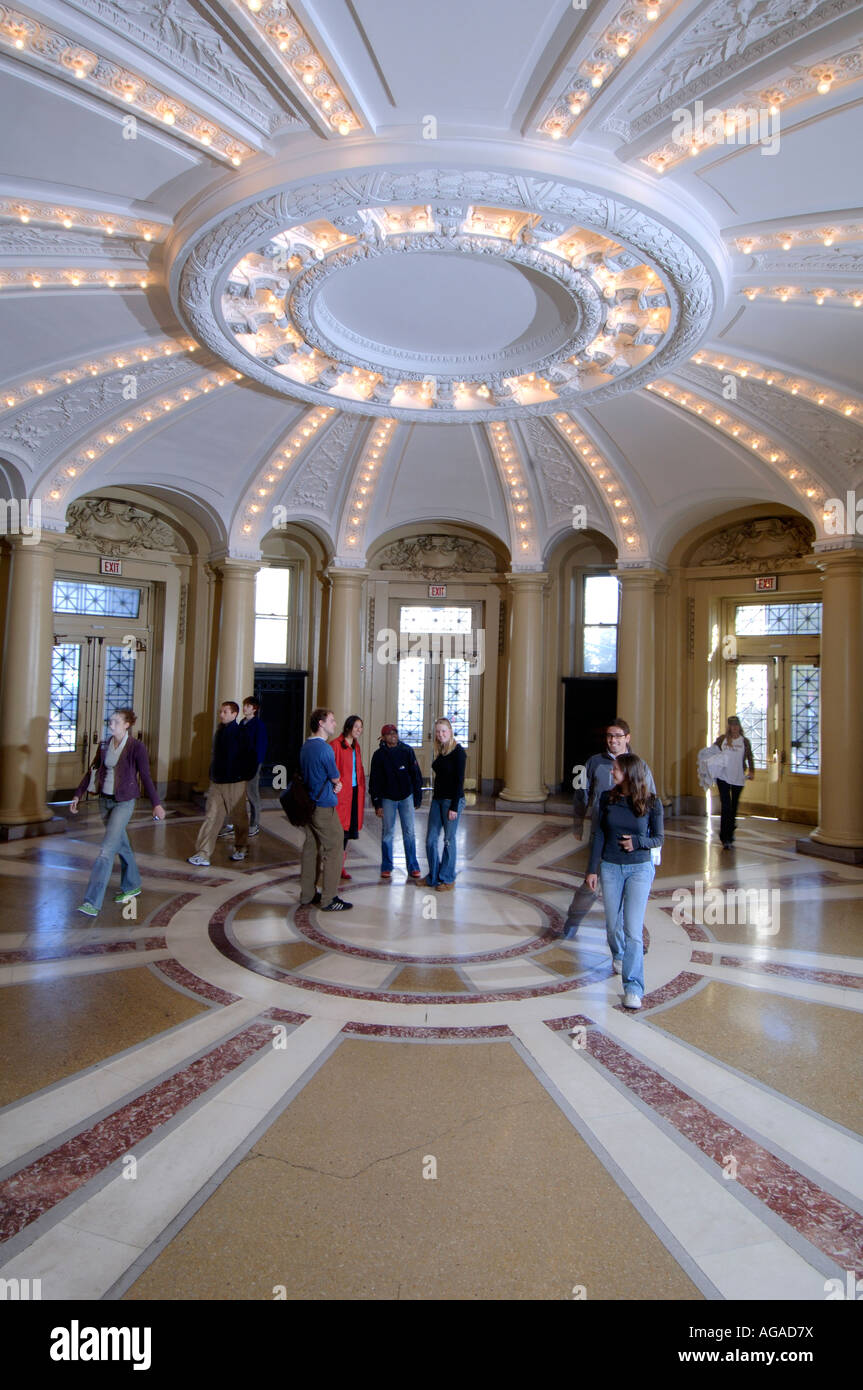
<point>47,543</point>
<point>342,574</point>
<point>223,565</point>
<point>649,575</point>
<point>844,555</point>
<point>527,579</point>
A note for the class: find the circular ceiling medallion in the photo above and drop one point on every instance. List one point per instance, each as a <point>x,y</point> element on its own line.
<point>438,310</point>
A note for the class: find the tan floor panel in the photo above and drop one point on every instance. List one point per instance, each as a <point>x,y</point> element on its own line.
<point>332,1204</point>
<point>45,906</point>
<point>793,1046</point>
<point>815,924</point>
<point>53,1028</point>
<point>435,979</point>
<point>290,955</point>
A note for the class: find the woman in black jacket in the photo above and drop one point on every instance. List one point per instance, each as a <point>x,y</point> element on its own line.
<point>446,807</point>
<point>627,826</point>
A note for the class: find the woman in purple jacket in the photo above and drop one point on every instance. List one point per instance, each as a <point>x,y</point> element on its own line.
<point>114,774</point>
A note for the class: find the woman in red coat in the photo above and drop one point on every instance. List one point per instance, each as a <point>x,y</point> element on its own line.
<point>352,796</point>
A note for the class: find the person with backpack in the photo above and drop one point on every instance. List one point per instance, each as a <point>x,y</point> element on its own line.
<point>323,830</point>
<point>396,788</point>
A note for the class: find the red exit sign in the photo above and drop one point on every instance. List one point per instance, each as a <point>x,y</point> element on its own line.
<point>765,584</point>
<point>437,590</point>
<point>110,566</point>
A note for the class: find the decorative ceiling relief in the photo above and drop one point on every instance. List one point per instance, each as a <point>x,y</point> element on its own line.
<point>351,548</point>
<point>437,557</point>
<point>45,241</point>
<point>766,543</point>
<point>19,392</point>
<point>258,512</point>
<point>303,300</point>
<point>44,430</point>
<point>844,403</point>
<point>524,545</point>
<point>831,441</point>
<point>310,490</point>
<point>77,219</point>
<point>176,33</point>
<point>118,528</point>
<point>727,37</point>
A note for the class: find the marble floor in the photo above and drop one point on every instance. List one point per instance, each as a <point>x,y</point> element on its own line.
<point>214,1093</point>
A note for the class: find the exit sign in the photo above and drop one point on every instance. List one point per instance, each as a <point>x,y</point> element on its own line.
<point>765,584</point>
<point>437,590</point>
<point>110,566</point>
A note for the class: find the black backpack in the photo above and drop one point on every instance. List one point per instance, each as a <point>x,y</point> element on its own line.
<point>296,802</point>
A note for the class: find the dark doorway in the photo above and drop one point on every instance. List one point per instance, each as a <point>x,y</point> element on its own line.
<point>283,709</point>
<point>589,706</point>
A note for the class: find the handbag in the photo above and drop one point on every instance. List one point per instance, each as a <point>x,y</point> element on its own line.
<point>296,802</point>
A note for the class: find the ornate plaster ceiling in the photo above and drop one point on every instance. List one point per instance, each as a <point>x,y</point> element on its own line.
<point>367,263</point>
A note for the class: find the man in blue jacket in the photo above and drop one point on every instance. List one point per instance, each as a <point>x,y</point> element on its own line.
<point>396,785</point>
<point>230,770</point>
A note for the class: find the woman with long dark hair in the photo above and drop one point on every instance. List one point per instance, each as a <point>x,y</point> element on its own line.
<point>739,767</point>
<point>352,797</point>
<point>627,826</point>
<point>113,774</point>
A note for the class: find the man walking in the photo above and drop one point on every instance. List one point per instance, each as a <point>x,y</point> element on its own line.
<point>324,834</point>
<point>396,786</point>
<point>232,766</point>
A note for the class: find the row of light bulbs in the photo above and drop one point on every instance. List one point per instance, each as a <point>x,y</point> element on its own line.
<point>786,241</point>
<point>519,498</point>
<point>623,512</point>
<point>74,279</point>
<point>735,429</point>
<point>795,386</point>
<point>20,394</point>
<point>307,65</point>
<point>620,41</point>
<point>367,476</point>
<point>837,298</point>
<point>297,442</point>
<point>75,217</point>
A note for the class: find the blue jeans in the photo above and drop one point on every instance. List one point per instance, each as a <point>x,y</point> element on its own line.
<point>442,870</point>
<point>116,816</point>
<point>405,811</point>
<point>625,890</point>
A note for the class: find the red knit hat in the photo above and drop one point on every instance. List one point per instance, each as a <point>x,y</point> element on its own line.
<point>388,729</point>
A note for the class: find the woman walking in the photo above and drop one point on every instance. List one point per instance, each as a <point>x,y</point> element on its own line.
<point>351,798</point>
<point>114,774</point>
<point>446,806</point>
<point>628,825</point>
<point>737,751</point>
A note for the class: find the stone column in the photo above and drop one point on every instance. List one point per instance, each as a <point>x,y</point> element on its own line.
<point>839,833</point>
<point>636,660</point>
<point>235,665</point>
<point>25,683</point>
<point>342,683</point>
<point>525,679</point>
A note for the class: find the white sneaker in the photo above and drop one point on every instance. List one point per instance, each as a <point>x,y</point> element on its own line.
<point>238,854</point>
<point>631,1001</point>
<point>617,967</point>
<point>254,830</point>
<point>199,861</point>
<point>226,833</point>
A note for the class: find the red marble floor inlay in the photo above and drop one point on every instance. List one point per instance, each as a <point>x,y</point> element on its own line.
<point>819,1217</point>
<point>563,1025</point>
<point>795,972</point>
<point>679,985</point>
<point>286,1016</point>
<point>403,1030</point>
<point>177,974</point>
<point>36,1188</point>
<point>701,958</point>
<point>169,910</point>
<point>26,954</point>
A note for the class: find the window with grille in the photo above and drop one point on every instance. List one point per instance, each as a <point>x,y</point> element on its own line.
<point>100,600</point>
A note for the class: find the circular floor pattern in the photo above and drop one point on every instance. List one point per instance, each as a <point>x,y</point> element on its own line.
<point>492,955</point>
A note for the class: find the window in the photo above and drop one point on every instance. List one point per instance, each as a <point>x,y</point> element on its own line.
<point>63,716</point>
<point>108,600</point>
<point>272,603</point>
<point>435,620</point>
<point>768,619</point>
<point>412,675</point>
<point>601,608</point>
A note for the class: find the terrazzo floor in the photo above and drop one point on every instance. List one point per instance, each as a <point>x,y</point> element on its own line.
<point>219,1094</point>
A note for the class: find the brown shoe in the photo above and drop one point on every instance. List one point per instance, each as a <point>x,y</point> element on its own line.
<point>386,873</point>
<point>445,887</point>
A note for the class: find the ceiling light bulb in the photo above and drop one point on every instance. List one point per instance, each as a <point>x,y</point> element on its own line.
<point>596,80</point>
<point>344,126</point>
<point>824,86</point>
<point>67,222</point>
<point>828,239</point>
<point>168,117</point>
<point>235,160</point>
<point>575,105</point>
<point>555,131</point>
<point>652,13</point>
<point>623,48</point>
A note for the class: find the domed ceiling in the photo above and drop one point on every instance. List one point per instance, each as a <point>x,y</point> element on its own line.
<point>365,263</point>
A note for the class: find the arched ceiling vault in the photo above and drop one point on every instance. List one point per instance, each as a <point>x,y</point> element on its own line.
<point>360,265</point>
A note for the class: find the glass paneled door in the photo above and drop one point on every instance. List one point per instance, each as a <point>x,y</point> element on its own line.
<point>774,688</point>
<point>441,659</point>
<point>96,666</point>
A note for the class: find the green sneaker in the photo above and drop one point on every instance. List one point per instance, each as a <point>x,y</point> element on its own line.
<point>89,910</point>
<point>127,897</point>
